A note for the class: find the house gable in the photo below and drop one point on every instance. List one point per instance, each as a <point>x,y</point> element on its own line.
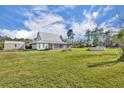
<point>38,36</point>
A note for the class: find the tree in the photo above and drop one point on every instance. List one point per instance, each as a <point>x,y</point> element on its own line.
<point>120,37</point>
<point>88,32</point>
<point>88,35</point>
<point>107,37</point>
<point>1,45</point>
<point>70,35</point>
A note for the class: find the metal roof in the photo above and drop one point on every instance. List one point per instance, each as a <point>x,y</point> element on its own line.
<point>53,42</point>
<point>43,37</point>
<point>14,42</point>
<point>49,37</point>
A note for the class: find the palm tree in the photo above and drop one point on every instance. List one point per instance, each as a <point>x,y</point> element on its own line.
<point>120,37</point>
<point>70,35</point>
<point>61,37</point>
<point>107,37</point>
<point>88,32</point>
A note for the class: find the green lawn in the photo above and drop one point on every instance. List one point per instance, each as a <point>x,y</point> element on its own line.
<point>76,68</point>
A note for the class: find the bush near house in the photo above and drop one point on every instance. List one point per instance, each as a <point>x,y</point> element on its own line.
<point>1,45</point>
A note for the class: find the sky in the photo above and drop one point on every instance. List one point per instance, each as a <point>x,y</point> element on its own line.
<point>26,21</point>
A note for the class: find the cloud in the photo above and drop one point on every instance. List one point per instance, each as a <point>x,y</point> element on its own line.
<point>46,23</point>
<point>80,28</point>
<point>100,12</point>
<point>16,33</point>
<point>104,10</point>
<point>40,8</point>
<point>62,8</point>
<point>87,13</point>
<point>87,23</point>
<point>42,22</point>
<point>108,8</point>
<point>95,14</point>
<point>42,19</point>
<point>110,24</point>
<point>70,6</point>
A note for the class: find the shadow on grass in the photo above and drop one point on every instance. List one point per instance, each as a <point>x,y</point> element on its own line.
<point>109,63</point>
<point>91,55</point>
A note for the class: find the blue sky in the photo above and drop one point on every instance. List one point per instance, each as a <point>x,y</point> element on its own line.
<point>26,21</point>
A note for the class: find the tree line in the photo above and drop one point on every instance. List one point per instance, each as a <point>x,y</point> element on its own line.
<point>92,38</point>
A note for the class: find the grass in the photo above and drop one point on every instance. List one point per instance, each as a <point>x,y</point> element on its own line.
<point>76,68</point>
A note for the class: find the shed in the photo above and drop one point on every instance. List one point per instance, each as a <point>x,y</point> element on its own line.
<point>14,45</point>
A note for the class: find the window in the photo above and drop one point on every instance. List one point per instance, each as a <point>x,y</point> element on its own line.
<point>43,45</point>
<point>15,45</point>
<point>39,45</point>
<point>60,46</point>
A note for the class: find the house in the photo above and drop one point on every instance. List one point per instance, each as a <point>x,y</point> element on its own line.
<point>49,41</point>
<point>14,45</point>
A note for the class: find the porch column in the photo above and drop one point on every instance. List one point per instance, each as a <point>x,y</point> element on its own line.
<point>52,46</point>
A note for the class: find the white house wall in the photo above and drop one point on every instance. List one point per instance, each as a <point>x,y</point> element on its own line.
<point>42,46</point>
<point>11,46</point>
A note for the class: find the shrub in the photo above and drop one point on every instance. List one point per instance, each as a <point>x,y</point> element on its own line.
<point>1,46</point>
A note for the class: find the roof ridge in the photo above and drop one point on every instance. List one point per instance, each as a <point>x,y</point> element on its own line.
<point>48,33</point>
